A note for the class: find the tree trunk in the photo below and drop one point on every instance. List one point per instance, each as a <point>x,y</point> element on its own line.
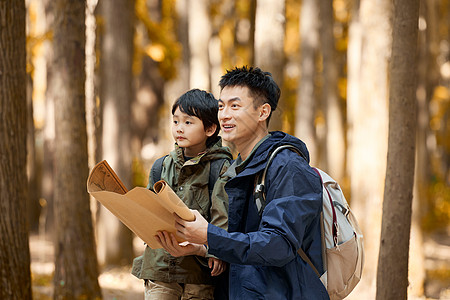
<point>269,48</point>
<point>33,207</point>
<point>244,31</point>
<point>368,117</point>
<point>199,36</point>
<point>15,277</point>
<point>76,268</point>
<point>46,224</point>
<point>150,86</point>
<point>306,108</point>
<point>114,238</point>
<point>397,205</point>
<point>335,136</point>
<point>426,82</point>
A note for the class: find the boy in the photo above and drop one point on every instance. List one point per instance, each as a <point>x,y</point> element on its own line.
<point>186,169</point>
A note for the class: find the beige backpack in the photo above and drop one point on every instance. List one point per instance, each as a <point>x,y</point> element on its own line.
<point>342,239</point>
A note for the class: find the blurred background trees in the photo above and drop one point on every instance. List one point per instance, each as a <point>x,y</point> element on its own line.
<point>331,59</point>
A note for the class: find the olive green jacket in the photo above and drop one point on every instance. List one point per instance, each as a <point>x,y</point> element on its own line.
<point>189,179</point>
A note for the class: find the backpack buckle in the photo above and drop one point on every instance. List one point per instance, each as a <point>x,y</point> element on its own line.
<point>259,197</point>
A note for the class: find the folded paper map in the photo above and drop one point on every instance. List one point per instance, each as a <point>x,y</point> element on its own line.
<point>143,211</point>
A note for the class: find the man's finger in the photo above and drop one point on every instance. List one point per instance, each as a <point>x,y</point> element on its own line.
<point>178,220</point>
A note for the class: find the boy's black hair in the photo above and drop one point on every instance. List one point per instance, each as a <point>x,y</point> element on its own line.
<point>262,87</point>
<point>202,105</point>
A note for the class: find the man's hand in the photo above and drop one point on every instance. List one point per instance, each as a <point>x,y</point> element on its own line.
<point>217,266</point>
<point>195,231</point>
<point>171,245</point>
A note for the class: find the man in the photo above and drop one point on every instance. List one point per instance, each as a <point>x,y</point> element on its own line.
<point>262,250</point>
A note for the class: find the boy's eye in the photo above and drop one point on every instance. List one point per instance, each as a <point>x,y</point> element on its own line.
<point>220,106</point>
<point>188,122</point>
<point>175,122</point>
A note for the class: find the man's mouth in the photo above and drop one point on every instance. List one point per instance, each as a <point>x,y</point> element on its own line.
<point>227,127</point>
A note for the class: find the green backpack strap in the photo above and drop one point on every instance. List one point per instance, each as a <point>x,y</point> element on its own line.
<point>214,173</point>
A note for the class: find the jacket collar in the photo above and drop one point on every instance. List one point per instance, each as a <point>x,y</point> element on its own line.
<point>258,158</point>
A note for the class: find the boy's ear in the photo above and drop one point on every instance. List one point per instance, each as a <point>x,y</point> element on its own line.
<point>264,112</point>
<point>210,130</point>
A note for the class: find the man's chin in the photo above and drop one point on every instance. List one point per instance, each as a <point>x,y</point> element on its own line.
<point>228,137</point>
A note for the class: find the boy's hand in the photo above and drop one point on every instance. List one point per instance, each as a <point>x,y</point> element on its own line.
<point>195,231</point>
<point>217,266</point>
<point>171,245</point>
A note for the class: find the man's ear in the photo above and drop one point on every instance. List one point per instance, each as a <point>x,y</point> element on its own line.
<point>210,130</point>
<point>264,112</point>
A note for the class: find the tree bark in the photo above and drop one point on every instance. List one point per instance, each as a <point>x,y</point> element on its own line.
<point>269,48</point>
<point>15,277</point>
<point>397,205</point>
<point>76,269</point>
<point>115,239</point>
<point>306,104</point>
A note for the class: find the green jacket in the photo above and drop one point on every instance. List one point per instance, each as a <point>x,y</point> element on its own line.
<point>189,180</point>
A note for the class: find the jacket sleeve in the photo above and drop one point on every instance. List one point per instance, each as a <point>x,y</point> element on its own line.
<point>293,206</point>
<point>219,200</point>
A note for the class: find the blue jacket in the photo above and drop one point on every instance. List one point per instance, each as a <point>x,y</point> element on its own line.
<point>262,252</point>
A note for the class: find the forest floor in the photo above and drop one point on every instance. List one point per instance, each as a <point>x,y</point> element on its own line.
<point>118,283</point>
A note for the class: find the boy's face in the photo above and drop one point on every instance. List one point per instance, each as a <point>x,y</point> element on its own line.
<point>239,119</point>
<point>189,133</point>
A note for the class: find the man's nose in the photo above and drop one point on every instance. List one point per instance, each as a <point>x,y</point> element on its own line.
<point>224,114</point>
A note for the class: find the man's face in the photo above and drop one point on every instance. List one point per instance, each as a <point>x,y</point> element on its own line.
<point>237,116</point>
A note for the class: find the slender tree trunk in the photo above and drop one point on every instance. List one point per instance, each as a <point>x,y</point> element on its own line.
<point>48,152</point>
<point>368,114</point>
<point>149,86</point>
<point>199,36</point>
<point>33,207</point>
<point>269,48</point>
<point>15,278</point>
<point>115,239</point>
<point>426,83</point>
<point>397,205</point>
<point>244,31</point>
<point>76,268</point>
<point>178,85</point>
<point>335,137</point>
<point>306,105</point>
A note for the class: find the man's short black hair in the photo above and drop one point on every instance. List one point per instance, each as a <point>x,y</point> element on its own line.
<point>262,87</point>
<point>202,105</point>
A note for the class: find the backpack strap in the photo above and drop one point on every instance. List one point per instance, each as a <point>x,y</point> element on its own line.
<point>259,194</point>
<point>214,172</point>
<point>260,198</point>
<point>155,172</point>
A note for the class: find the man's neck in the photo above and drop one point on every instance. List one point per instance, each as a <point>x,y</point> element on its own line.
<point>247,146</point>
